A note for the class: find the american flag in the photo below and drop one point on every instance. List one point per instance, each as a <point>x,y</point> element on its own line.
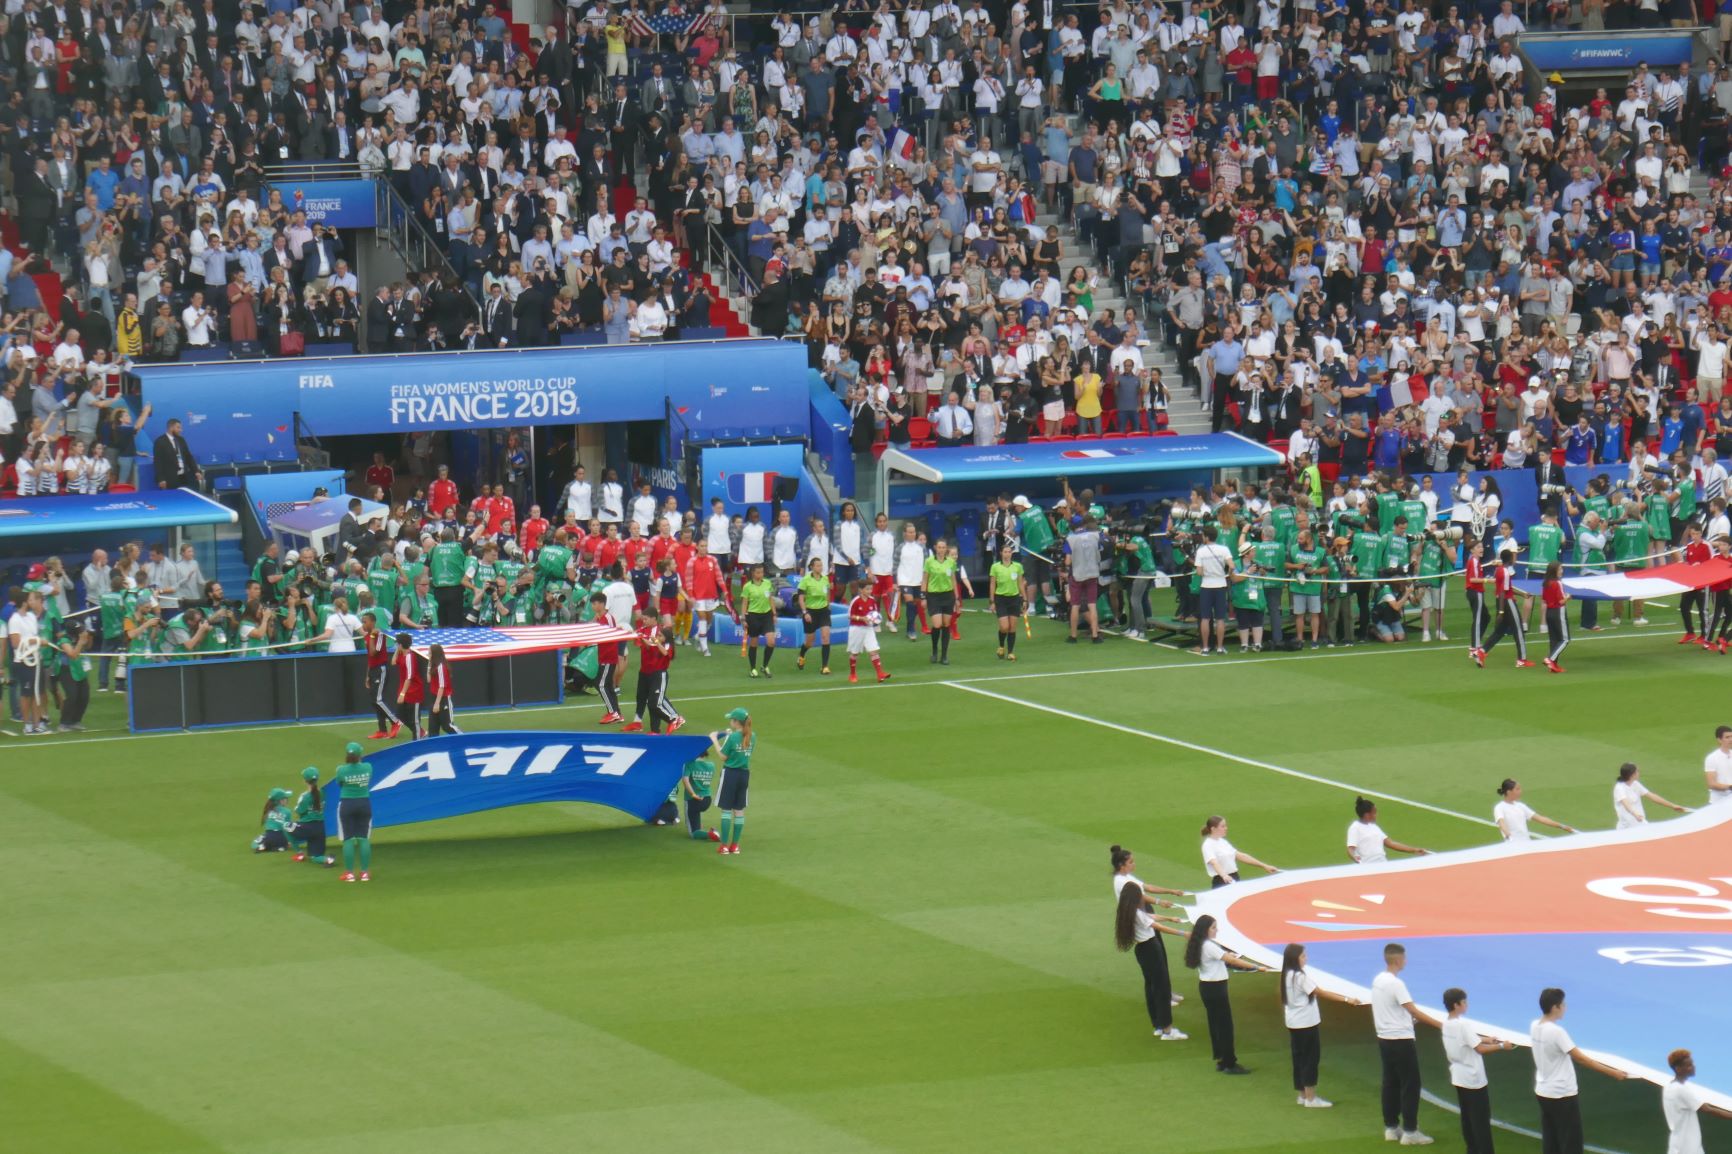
<point>466,642</point>
<point>671,23</point>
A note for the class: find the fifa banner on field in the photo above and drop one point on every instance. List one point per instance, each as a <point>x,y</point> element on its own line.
<point>1635,925</point>
<point>466,773</point>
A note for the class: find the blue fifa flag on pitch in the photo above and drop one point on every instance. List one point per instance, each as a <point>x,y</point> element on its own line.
<point>469,772</point>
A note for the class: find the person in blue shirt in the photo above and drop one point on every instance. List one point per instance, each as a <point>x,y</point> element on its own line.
<point>1330,122</point>
<point>1623,243</point>
<point>1694,422</point>
<point>1386,444</point>
<point>103,180</point>
<point>1671,429</point>
<point>1580,442</point>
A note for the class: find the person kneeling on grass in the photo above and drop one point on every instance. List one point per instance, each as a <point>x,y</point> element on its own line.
<point>275,819</point>
<point>696,784</point>
<point>1386,613</point>
<point>309,829</point>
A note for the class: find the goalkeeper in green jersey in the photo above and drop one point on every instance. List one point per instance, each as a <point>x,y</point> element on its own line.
<point>355,812</point>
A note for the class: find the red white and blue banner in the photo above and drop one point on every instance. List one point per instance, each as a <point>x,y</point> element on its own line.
<point>751,488</point>
<point>1635,925</point>
<point>1643,584</point>
<point>467,642</point>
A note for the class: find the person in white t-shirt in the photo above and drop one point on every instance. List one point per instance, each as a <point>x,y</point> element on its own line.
<point>1214,565</point>
<point>341,627</point>
<point>1682,1102</point>
<point>1464,1048</point>
<point>1512,814</point>
<point>1221,858</point>
<point>1717,768</point>
<point>1555,1058</point>
<point>1299,994</point>
<point>1367,844</point>
<point>1393,1015</point>
<point>1627,797</point>
<point>1138,927</point>
<point>1213,962</point>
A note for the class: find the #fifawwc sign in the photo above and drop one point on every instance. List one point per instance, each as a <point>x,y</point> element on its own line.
<point>470,772</point>
<point>1635,925</point>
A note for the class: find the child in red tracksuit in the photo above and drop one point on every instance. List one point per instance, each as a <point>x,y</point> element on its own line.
<point>411,689</point>
<point>1557,621</point>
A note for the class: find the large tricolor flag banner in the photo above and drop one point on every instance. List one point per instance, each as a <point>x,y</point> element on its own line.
<point>1642,584</point>
<point>1635,925</point>
<point>441,777</point>
<point>467,642</point>
<point>751,488</point>
<point>899,149</point>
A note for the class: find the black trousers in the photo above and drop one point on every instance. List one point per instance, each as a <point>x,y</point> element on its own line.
<point>652,694</point>
<point>1509,624</point>
<point>1157,982</point>
<point>1721,626</point>
<point>1400,1082</point>
<point>1557,633</point>
<point>449,598</point>
<point>604,685</point>
<point>1476,617</point>
<point>313,833</point>
<point>695,807</point>
<point>1306,1043</point>
<point>1220,1011</point>
<point>1561,1125</point>
<point>1695,600</point>
<point>411,717</point>
<point>378,676</point>
<point>74,698</point>
<point>1475,1119</point>
<point>439,720</point>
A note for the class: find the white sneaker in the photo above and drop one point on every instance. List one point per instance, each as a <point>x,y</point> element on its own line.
<point>1391,1134</point>
<point>1426,636</point>
<point>1177,998</point>
<point>1640,621</point>
<point>1319,1103</point>
<point>1415,1138</point>
<point>1442,636</point>
<point>1301,1099</point>
<point>1617,621</point>
<point>1172,1035</point>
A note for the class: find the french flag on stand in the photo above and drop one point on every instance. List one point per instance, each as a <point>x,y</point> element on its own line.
<point>1086,454</point>
<point>751,488</point>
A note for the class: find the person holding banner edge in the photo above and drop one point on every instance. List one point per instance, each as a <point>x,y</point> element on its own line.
<point>309,827</point>
<point>735,745</point>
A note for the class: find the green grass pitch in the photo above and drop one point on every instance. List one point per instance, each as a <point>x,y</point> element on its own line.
<point>913,953</point>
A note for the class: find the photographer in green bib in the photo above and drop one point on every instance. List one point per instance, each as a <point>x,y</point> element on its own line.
<point>1590,559</point>
<point>1269,554</point>
<point>1034,529</point>
<point>1632,542</point>
<point>1545,545</point>
<point>1436,551</point>
<point>1306,566</point>
<point>447,564</point>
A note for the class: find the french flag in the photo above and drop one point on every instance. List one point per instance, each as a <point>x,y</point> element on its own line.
<point>1086,454</point>
<point>901,148</point>
<point>751,488</point>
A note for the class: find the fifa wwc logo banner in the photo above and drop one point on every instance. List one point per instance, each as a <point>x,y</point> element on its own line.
<point>1635,925</point>
<point>470,772</point>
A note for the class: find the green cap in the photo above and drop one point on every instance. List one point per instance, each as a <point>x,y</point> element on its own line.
<point>311,773</point>
<point>354,748</point>
<point>279,794</point>
<point>738,714</point>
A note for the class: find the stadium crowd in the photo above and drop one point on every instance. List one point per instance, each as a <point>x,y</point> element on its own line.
<point>1363,227</point>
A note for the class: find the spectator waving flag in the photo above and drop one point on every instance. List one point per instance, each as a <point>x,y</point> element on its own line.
<point>673,22</point>
<point>900,149</point>
<point>750,488</point>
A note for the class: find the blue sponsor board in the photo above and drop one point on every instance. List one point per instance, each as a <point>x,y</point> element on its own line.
<point>332,203</point>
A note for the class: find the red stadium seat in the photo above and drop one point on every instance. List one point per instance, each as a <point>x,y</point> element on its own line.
<point>919,429</point>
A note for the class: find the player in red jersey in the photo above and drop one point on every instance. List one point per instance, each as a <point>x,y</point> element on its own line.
<point>863,621</point>
<point>381,476</point>
<point>410,688</point>
<point>502,515</point>
<point>656,653</point>
<point>1509,622</point>
<point>607,661</point>
<point>1722,622</point>
<point>683,552</point>
<point>533,532</point>
<point>608,550</point>
<point>706,587</point>
<point>439,704</point>
<point>442,496</point>
<point>1473,577</point>
<point>1696,551</point>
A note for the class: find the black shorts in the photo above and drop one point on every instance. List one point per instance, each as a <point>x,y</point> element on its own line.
<point>759,624</point>
<point>818,620</point>
<point>941,604</point>
<point>735,782</point>
<point>846,575</point>
<point>355,817</point>
<point>1007,604</point>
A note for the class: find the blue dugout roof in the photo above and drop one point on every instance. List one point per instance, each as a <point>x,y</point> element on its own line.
<point>111,512</point>
<point>1093,457</point>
